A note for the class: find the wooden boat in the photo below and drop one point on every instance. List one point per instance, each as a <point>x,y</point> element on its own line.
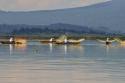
<point>62,40</point>
<point>14,41</point>
<point>122,42</point>
<point>107,41</point>
<point>48,41</point>
<point>7,42</point>
<point>70,41</point>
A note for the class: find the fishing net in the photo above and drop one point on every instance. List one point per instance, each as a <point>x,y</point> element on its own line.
<point>62,38</point>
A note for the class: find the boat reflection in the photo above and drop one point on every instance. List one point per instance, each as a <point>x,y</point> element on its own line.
<point>74,48</point>
<point>51,47</point>
<point>65,48</point>
<point>20,47</point>
<point>107,49</point>
<point>11,47</point>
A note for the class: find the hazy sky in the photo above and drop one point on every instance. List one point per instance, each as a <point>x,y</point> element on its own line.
<point>23,5</point>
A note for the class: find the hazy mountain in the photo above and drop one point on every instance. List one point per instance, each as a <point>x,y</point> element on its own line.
<point>109,14</point>
<point>59,28</point>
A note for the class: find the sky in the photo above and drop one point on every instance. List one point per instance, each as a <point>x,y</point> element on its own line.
<point>28,5</point>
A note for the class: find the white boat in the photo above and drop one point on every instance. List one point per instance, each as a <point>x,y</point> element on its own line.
<point>65,40</point>
<point>107,41</point>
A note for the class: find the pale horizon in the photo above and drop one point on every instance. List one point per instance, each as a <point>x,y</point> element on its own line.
<point>28,5</point>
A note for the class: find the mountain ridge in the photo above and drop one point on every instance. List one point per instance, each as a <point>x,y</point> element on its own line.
<point>58,28</point>
<point>109,14</point>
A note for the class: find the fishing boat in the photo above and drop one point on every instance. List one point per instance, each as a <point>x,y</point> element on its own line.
<point>122,42</point>
<point>48,41</point>
<point>107,41</point>
<point>7,42</point>
<point>75,41</point>
<point>70,41</point>
<point>64,40</point>
<point>13,41</point>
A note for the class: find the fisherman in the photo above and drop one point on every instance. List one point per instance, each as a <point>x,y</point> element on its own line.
<point>11,40</point>
<point>65,41</point>
<point>51,40</point>
<point>108,42</point>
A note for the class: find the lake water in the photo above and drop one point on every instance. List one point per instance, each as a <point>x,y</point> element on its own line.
<point>90,62</point>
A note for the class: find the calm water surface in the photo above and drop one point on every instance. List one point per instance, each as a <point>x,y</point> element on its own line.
<point>90,62</point>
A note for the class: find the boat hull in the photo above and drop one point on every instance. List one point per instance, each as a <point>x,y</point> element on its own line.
<point>47,41</point>
<point>108,43</point>
<point>62,42</point>
<point>7,42</point>
<point>74,43</point>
